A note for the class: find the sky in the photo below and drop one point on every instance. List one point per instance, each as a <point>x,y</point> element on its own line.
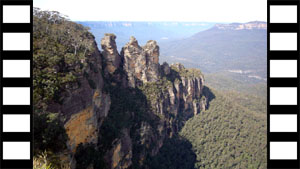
<point>159,10</point>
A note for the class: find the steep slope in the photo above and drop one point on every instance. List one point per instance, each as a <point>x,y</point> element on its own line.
<point>105,109</point>
<point>230,134</point>
<point>120,110</point>
<point>69,102</point>
<point>149,106</point>
<point>233,56</point>
<point>223,47</point>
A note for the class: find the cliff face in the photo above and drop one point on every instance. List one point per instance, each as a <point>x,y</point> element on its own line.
<point>129,106</point>
<point>84,104</point>
<point>242,26</point>
<point>173,94</point>
<point>110,54</point>
<point>140,63</point>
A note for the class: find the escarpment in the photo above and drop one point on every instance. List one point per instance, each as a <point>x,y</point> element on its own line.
<point>103,108</point>
<point>110,54</point>
<point>83,103</point>
<point>141,63</point>
<point>128,105</point>
<point>168,95</point>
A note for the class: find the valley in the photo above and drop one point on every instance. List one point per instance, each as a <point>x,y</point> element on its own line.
<point>113,97</point>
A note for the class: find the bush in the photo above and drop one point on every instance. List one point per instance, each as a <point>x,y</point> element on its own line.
<point>230,134</point>
<point>62,59</point>
<point>49,133</point>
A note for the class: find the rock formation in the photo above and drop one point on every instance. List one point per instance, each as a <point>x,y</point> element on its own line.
<point>84,107</point>
<point>111,57</point>
<point>171,91</point>
<point>141,63</point>
<point>169,95</point>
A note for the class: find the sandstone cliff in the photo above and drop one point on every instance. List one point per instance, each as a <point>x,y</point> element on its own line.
<point>128,104</point>
<point>172,95</point>
<point>84,105</point>
<point>141,63</point>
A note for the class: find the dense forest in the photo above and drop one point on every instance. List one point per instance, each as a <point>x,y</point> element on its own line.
<point>225,81</point>
<point>230,133</point>
<point>59,48</point>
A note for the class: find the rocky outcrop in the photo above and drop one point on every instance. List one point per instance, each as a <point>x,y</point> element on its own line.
<point>87,132</point>
<point>165,68</point>
<point>121,154</point>
<point>186,89</point>
<point>180,97</point>
<point>134,62</point>
<point>83,104</point>
<point>111,57</point>
<point>172,95</point>
<point>141,63</point>
<point>152,60</point>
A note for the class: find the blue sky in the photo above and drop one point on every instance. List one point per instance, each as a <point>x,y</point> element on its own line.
<point>159,10</point>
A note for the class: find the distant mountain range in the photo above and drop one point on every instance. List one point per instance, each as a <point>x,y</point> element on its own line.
<point>241,26</point>
<point>232,51</point>
<point>158,31</point>
<point>213,47</point>
<point>234,48</point>
<point>124,110</point>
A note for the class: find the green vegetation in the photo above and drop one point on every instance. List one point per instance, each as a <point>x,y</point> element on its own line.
<point>60,55</point>
<point>41,162</point>
<point>188,73</point>
<point>225,81</point>
<point>49,133</point>
<point>230,134</point>
<point>48,160</point>
<point>60,48</point>
<point>252,102</point>
<point>153,90</point>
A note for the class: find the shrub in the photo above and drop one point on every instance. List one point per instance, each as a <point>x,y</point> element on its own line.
<point>49,133</point>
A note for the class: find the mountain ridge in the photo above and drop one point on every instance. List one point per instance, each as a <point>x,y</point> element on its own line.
<point>241,26</point>
<point>219,51</point>
<point>118,110</point>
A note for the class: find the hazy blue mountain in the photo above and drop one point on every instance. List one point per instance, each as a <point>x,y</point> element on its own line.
<point>239,49</point>
<point>235,52</point>
<point>144,31</point>
<point>109,110</point>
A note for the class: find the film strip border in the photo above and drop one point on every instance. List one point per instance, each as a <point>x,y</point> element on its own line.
<point>283,84</point>
<point>16,84</point>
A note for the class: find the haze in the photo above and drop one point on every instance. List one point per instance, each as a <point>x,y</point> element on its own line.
<point>159,10</point>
